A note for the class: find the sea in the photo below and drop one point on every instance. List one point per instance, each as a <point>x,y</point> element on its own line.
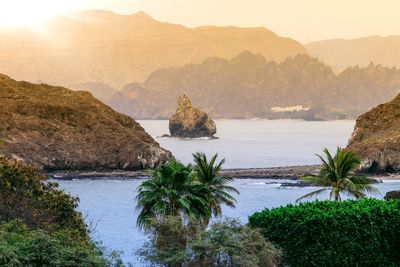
<point>109,206</point>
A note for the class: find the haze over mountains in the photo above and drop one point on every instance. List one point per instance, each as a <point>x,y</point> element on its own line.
<point>139,66</point>
<point>341,54</point>
<point>249,86</point>
<point>101,46</point>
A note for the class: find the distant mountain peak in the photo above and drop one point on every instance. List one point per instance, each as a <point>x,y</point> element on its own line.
<point>106,16</point>
<point>142,15</point>
<point>248,57</point>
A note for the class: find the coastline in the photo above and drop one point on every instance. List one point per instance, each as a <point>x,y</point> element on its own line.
<point>286,172</point>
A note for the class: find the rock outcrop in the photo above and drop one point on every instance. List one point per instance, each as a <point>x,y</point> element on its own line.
<point>392,195</point>
<point>190,122</point>
<point>59,129</point>
<point>376,137</point>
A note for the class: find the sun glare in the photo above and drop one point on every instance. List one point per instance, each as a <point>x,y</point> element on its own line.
<point>31,13</point>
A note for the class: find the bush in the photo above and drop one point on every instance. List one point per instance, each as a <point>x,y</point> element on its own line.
<point>39,225</point>
<point>324,233</point>
<point>20,246</point>
<point>226,243</point>
<point>27,196</point>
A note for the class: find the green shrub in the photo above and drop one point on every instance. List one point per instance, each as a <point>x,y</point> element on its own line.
<point>325,233</point>
<point>20,246</point>
<point>39,225</point>
<point>27,196</point>
<point>225,243</point>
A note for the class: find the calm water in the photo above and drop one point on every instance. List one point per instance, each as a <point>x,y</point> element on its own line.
<point>259,143</point>
<point>109,205</point>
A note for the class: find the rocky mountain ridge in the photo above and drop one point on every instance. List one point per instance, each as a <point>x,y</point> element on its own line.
<point>249,86</point>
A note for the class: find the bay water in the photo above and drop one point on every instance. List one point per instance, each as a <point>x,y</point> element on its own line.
<point>109,204</point>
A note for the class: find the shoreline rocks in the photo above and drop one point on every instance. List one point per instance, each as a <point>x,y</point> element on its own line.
<point>392,195</point>
<point>59,129</point>
<point>190,122</point>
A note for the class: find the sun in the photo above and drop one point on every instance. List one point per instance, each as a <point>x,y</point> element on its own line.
<point>31,13</point>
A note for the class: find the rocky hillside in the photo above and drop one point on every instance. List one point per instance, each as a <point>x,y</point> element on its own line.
<point>59,129</point>
<point>376,137</point>
<point>249,86</point>
<point>340,53</point>
<point>101,46</point>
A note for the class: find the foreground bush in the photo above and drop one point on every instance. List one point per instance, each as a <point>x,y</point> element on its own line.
<point>39,225</point>
<point>349,233</point>
<point>20,246</point>
<point>226,243</point>
<point>26,195</point>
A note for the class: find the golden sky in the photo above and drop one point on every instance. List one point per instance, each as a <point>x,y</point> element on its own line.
<point>303,20</point>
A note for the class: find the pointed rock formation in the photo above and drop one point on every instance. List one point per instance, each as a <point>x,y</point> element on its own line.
<point>376,137</point>
<point>58,129</point>
<point>190,122</point>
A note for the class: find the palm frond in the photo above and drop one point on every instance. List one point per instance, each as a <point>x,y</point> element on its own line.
<point>312,194</point>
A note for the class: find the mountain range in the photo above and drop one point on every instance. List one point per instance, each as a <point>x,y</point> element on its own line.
<point>249,86</point>
<point>340,53</point>
<point>139,66</point>
<point>102,46</point>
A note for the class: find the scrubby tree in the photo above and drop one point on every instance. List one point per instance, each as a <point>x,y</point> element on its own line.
<point>226,243</point>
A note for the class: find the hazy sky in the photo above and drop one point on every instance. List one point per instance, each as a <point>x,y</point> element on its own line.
<point>304,20</point>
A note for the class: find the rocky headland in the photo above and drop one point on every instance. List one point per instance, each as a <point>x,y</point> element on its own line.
<point>190,122</point>
<point>376,138</point>
<point>58,129</point>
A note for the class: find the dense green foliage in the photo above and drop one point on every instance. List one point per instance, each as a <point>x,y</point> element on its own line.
<point>218,191</point>
<point>26,195</point>
<point>228,243</point>
<point>225,243</point>
<point>39,225</point>
<point>171,191</point>
<point>194,193</point>
<point>337,174</point>
<point>365,232</point>
<point>176,203</point>
<point>21,246</point>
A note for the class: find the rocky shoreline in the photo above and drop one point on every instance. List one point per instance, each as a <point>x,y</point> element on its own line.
<point>287,173</point>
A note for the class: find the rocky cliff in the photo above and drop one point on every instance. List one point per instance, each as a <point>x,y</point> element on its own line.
<point>376,137</point>
<point>102,46</point>
<point>59,129</point>
<point>188,121</point>
<point>249,86</point>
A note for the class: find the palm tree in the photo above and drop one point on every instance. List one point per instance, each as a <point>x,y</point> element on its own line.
<point>218,192</point>
<point>337,173</point>
<point>171,191</point>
